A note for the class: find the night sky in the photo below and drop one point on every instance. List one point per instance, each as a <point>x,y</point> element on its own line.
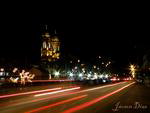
<point>84,32</point>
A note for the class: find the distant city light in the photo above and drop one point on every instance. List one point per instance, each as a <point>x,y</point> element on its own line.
<point>89,75</point>
<point>82,64</point>
<point>106,76</point>
<point>71,74</point>
<point>80,75</point>
<point>57,73</point>
<point>76,67</point>
<point>101,76</point>
<point>94,66</point>
<point>78,60</point>
<point>104,81</point>
<point>95,76</point>
<point>2,69</point>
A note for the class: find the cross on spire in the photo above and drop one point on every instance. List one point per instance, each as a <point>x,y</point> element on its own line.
<point>46,26</point>
<point>55,31</point>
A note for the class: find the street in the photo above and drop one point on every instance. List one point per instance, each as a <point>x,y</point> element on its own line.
<point>121,97</point>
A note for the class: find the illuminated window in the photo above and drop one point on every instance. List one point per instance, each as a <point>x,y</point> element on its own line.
<point>44,44</point>
<point>51,53</point>
<point>58,48</point>
<point>49,45</point>
<point>47,35</point>
<point>47,53</point>
<point>1,73</point>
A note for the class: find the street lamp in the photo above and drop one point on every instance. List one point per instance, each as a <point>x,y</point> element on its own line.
<point>78,60</point>
<point>94,66</point>
<point>56,73</point>
<point>2,69</point>
<point>80,75</point>
<point>71,74</point>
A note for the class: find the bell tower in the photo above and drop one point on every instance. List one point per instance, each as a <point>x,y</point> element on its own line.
<point>50,47</point>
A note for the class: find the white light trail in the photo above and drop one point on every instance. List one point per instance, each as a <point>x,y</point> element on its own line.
<point>31,92</point>
<point>89,103</point>
<point>100,87</point>
<point>57,91</point>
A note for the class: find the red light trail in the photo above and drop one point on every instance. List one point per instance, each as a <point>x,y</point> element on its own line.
<point>71,110</point>
<point>56,104</point>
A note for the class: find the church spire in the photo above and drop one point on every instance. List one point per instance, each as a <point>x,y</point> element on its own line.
<point>46,26</point>
<point>55,32</point>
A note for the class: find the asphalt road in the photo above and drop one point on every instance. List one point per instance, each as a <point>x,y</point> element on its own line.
<point>122,97</point>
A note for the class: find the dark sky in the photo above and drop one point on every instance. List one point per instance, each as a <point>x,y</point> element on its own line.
<point>84,32</point>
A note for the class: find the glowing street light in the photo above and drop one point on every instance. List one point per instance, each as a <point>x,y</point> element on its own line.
<point>101,76</point>
<point>76,67</point>
<point>80,75</point>
<point>57,73</point>
<point>94,66</point>
<point>2,69</point>
<point>106,76</point>
<point>78,60</point>
<point>71,74</point>
<point>89,75</point>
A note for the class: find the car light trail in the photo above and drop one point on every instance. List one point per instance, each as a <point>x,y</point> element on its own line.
<point>40,99</point>
<point>47,98</point>
<point>57,91</point>
<point>31,92</point>
<point>100,87</point>
<point>79,88</point>
<point>52,80</point>
<point>71,110</point>
<point>56,104</point>
<point>36,100</point>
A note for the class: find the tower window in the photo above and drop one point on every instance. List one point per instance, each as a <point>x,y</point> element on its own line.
<point>49,45</point>
<point>44,44</point>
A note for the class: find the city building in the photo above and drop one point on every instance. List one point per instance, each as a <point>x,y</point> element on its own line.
<point>50,47</point>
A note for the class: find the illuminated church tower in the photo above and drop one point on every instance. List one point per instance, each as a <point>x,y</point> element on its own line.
<point>50,48</point>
